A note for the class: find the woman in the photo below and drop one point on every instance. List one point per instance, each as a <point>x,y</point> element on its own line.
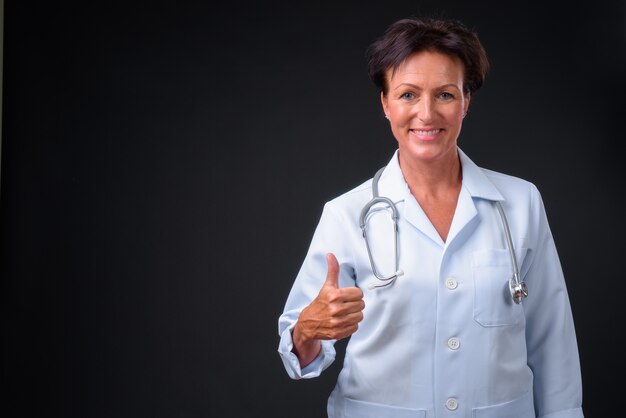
<point>436,327</point>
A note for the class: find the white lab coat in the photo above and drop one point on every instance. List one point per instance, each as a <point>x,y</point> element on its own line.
<point>445,340</point>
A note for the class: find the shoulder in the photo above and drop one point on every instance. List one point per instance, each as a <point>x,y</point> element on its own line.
<point>508,182</point>
<point>340,215</point>
<point>493,185</point>
<point>519,194</point>
<point>352,199</point>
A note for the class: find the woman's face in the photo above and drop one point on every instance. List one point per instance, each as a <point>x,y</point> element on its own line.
<point>425,105</point>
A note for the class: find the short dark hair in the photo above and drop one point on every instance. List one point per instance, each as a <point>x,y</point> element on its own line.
<point>408,36</point>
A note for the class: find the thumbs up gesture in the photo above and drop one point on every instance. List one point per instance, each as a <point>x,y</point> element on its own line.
<point>334,314</point>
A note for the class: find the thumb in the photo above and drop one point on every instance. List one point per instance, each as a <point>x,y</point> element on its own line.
<point>332,277</point>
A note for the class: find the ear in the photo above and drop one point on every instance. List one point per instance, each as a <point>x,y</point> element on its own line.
<point>383,101</point>
<point>468,96</point>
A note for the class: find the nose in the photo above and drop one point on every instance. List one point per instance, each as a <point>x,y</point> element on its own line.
<point>425,109</point>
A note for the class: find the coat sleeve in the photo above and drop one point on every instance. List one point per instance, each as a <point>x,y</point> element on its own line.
<point>330,236</point>
<point>550,335</point>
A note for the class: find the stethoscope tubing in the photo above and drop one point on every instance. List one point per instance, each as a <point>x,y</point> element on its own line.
<point>517,287</point>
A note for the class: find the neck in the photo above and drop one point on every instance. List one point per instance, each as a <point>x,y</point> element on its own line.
<point>431,179</point>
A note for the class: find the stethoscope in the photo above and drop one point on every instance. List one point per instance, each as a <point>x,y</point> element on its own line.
<point>517,286</point>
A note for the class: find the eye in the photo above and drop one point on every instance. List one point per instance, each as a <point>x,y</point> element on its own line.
<point>407,96</point>
<point>446,96</point>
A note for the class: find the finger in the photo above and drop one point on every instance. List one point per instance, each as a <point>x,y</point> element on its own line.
<point>349,294</point>
<point>342,310</point>
<point>345,332</point>
<point>352,307</point>
<point>332,277</point>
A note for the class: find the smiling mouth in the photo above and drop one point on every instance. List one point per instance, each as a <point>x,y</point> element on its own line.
<point>427,133</point>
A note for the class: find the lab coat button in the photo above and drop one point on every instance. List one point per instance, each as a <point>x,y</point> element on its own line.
<point>451,283</point>
<point>452,404</point>
<point>454,343</point>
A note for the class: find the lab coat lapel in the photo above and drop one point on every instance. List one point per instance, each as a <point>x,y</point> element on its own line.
<point>393,185</point>
<point>416,216</point>
<point>475,185</point>
<point>464,213</point>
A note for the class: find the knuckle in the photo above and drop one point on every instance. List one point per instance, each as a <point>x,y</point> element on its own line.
<point>334,323</point>
<point>333,295</point>
<point>333,310</point>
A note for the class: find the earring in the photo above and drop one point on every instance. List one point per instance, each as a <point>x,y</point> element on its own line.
<point>387,117</point>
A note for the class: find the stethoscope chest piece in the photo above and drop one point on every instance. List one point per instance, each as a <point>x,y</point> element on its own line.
<point>517,287</point>
<point>518,290</point>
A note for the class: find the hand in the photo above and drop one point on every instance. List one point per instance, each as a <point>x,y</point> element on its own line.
<point>334,314</point>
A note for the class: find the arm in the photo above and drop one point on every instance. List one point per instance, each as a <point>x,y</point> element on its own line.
<point>318,311</point>
<point>550,334</point>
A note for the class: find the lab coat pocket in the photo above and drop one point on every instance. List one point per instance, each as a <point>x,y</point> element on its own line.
<point>361,409</point>
<point>493,304</point>
<point>521,407</point>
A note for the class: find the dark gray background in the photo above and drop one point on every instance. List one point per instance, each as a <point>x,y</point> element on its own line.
<point>164,166</point>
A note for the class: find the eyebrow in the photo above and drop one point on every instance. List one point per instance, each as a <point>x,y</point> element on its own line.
<point>419,88</point>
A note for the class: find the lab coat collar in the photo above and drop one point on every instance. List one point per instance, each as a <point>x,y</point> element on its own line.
<point>391,183</point>
<point>476,181</point>
<point>477,184</point>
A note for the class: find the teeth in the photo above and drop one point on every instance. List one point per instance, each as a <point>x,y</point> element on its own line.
<point>433,132</point>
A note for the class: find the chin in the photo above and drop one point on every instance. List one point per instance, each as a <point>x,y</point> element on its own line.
<point>426,152</point>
